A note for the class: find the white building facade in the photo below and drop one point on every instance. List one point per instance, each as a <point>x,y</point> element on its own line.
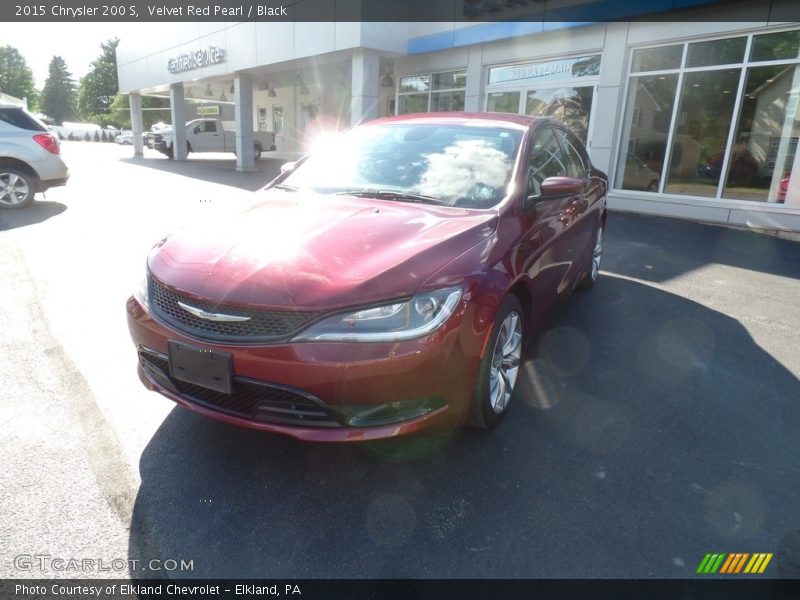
<point>693,119</point>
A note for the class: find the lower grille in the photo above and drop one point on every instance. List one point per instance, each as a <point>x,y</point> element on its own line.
<point>250,399</point>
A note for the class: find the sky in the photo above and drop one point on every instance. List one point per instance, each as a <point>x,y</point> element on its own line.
<point>77,43</point>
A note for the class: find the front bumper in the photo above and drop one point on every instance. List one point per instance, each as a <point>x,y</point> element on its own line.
<point>438,372</point>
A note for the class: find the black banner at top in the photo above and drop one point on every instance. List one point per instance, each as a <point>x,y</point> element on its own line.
<point>397,10</point>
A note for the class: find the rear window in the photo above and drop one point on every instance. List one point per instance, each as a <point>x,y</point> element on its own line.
<point>19,118</point>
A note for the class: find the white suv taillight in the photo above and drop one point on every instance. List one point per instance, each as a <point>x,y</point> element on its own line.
<point>47,141</point>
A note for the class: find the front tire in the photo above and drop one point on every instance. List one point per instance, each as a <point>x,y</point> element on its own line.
<point>593,272</point>
<point>17,188</point>
<point>257,152</point>
<point>500,366</point>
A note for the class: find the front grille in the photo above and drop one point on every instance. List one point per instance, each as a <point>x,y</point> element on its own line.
<point>263,326</point>
<point>250,399</point>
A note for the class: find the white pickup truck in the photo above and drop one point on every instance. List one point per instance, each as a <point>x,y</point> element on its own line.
<point>212,135</point>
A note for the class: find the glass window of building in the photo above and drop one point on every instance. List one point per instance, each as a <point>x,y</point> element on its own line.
<point>713,118</point>
<point>716,52</point>
<point>776,46</point>
<point>432,92</point>
<point>767,130</point>
<point>705,110</point>
<point>651,99</point>
<point>506,102</point>
<point>657,59</point>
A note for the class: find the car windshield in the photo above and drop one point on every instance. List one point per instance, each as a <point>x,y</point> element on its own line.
<point>454,165</point>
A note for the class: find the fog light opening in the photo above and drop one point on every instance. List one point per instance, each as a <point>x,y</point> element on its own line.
<point>371,415</point>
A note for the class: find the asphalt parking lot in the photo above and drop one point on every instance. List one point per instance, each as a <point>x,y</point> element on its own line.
<point>657,419</point>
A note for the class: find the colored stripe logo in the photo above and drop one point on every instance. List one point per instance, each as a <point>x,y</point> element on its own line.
<point>736,562</point>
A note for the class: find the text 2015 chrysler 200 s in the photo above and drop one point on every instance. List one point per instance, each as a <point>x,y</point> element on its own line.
<point>385,284</point>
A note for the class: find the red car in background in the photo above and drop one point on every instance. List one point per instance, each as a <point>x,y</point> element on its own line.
<point>783,187</point>
<point>385,284</point>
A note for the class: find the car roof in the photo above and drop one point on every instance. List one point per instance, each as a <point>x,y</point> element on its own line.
<point>12,106</point>
<point>482,119</point>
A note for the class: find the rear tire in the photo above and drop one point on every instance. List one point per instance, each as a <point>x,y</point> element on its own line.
<point>17,188</point>
<point>500,366</point>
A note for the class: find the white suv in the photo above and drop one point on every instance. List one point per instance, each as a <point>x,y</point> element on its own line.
<point>30,160</point>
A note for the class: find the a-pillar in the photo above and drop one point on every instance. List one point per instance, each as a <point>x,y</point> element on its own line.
<point>178,112</point>
<point>137,123</point>
<point>243,114</point>
<point>365,85</point>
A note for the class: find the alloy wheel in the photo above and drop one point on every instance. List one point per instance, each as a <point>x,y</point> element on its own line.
<point>13,188</point>
<point>505,362</point>
<point>597,254</point>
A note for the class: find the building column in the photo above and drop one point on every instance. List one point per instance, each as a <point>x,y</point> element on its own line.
<point>137,122</point>
<point>473,95</point>
<point>603,146</point>
<point>365,85</point>
<point>243,114</point>
<point>178,112</point>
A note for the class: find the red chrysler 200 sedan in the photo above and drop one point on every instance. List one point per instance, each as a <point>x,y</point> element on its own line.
<point>385,284</point>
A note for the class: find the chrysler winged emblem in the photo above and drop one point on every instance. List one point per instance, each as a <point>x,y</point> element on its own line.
<point>209,316</point>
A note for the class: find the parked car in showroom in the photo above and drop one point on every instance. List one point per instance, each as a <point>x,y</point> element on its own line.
<point>386,283</point>
<point>638,176</point>
<point>30,158</point>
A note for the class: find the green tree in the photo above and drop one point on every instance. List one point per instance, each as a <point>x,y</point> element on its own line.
<point>58,96</point>
<point>154,110</point>
<point>98,87</point>
<point>16,77</point>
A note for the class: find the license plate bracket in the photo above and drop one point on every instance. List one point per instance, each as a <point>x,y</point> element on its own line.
<point>200,366</point>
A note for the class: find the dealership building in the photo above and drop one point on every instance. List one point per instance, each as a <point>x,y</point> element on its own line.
<point>693,115</point>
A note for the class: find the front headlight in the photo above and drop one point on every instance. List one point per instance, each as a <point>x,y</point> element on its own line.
<point>403,320</point>
<point>142,291</point>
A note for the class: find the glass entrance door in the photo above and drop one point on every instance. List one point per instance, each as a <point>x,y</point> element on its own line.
<point>571,106</point>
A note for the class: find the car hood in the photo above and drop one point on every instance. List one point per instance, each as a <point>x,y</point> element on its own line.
<point>317,252</point>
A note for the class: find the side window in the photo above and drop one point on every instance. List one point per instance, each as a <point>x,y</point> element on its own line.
<point>546,160</point>
<point>576,166</point>
<point>209,127</point>
<point>19,118</point>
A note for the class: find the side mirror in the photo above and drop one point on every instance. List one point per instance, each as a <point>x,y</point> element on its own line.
<point>196,129</point>
<point>288,166</point>
<point>555,187</point>
<point>562,186</point>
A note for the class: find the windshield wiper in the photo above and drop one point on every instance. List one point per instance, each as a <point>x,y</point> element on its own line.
<point>394,195</point>
<point>283,186</point>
